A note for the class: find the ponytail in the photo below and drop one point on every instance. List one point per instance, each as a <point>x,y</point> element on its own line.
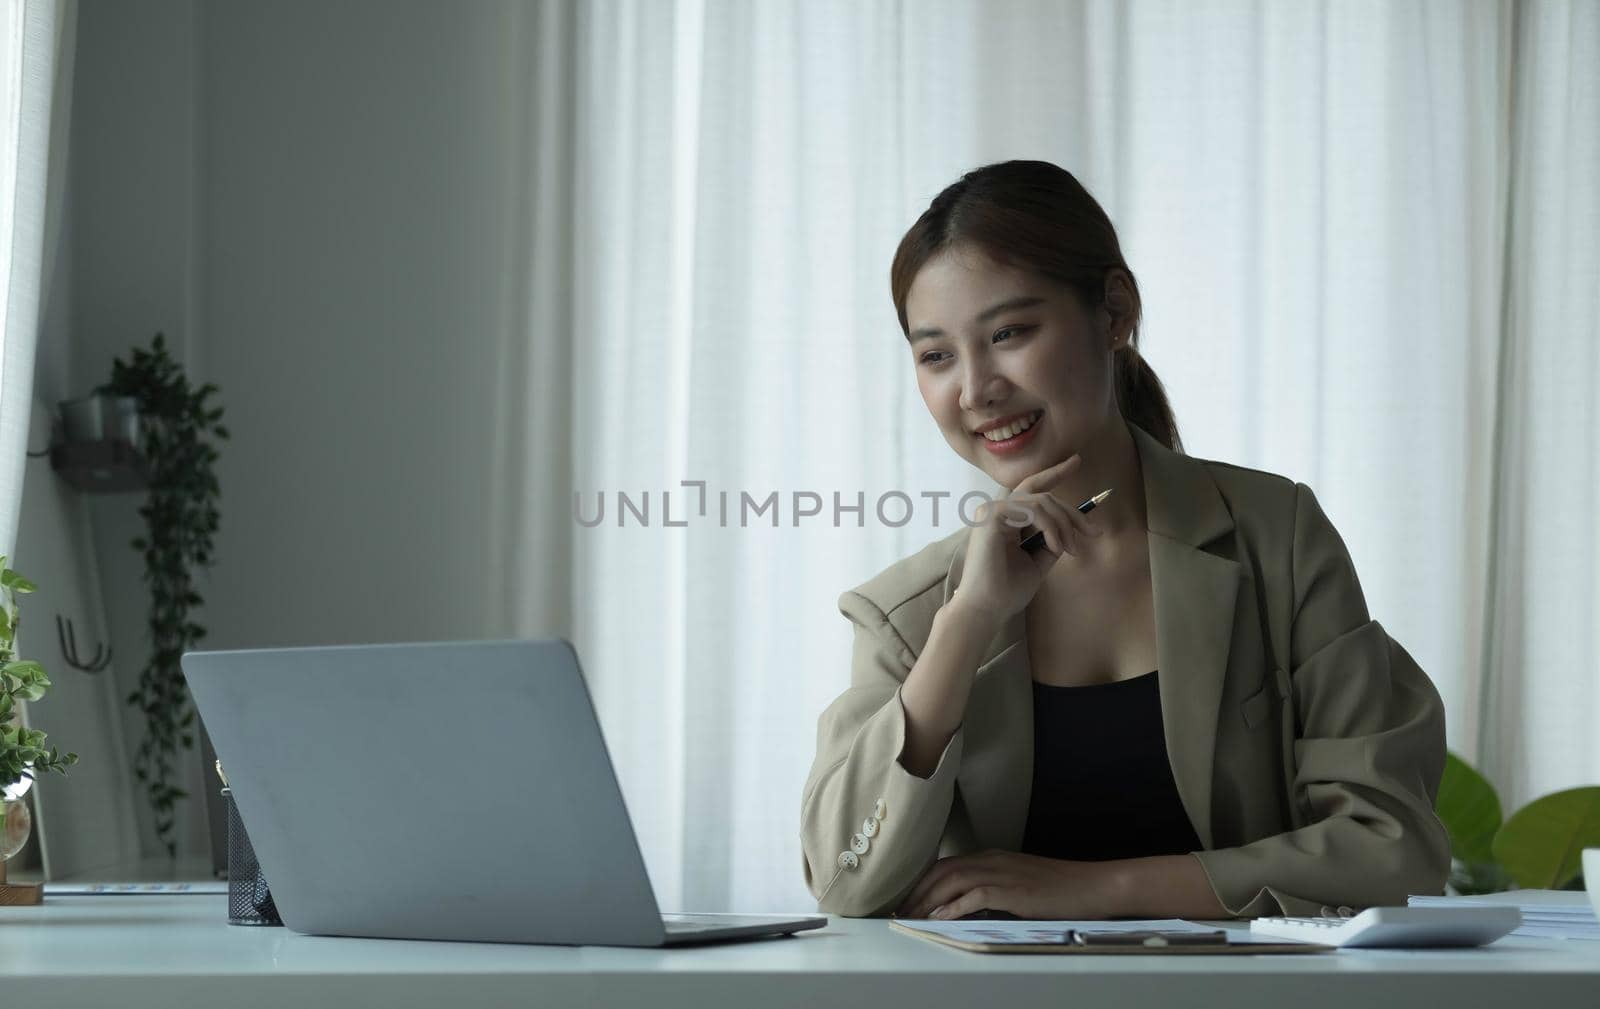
<point>1143,399</point>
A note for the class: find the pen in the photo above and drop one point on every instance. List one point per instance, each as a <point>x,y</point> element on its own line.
<point>1033,543</point>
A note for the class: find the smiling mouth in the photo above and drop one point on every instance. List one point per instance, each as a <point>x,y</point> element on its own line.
<point>1013,429</point>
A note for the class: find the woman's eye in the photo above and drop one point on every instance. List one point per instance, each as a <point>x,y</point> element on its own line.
<point>931,357</point>
<point>1007,332</point>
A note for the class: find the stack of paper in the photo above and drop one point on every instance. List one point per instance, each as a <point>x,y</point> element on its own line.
<point>1558,914</point>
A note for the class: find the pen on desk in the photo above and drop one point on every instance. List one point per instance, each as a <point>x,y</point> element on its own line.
<point>1035,542</point>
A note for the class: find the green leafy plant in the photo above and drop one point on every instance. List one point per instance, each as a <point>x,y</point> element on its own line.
<point>180,514</point>
<point>22,751</point>
<point>1539,846</point>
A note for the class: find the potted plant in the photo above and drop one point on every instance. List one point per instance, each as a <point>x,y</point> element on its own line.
<point>1539,846</point>
<point>22,750</point>
<point>176,430</point>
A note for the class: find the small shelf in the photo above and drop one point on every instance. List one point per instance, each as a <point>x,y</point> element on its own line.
<point>100,467</point>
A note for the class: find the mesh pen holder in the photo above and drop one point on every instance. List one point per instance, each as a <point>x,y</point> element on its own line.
<point>249,900</point>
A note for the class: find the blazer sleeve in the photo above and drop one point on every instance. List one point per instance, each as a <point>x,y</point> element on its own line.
<point>1369,751</point>
<point>857,786</point>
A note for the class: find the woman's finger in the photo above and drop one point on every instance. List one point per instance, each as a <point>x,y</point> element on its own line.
<point>1060,514</point>
<point>1018,513</point>
<point>1047,477</point>
<point>948,889</point>
<point>1079,520</point>
<point>1052,523</point>
<point>979,898</point>
<point>917,898</point>
<point>957,875</point>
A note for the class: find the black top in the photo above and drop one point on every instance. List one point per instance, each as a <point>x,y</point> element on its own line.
<point>1102,786</point>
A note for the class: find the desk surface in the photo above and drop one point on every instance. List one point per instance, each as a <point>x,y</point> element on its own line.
<point>137,951</point>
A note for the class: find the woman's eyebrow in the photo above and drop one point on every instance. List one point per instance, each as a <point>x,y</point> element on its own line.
<point>1009,305</point>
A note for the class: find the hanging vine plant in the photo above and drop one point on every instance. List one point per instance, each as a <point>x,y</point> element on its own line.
<point>180,514</point>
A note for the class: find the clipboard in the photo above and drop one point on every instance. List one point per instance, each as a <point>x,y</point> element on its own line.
<point>1224,948</point>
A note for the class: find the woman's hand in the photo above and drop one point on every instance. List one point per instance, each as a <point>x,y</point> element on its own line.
<point>998,577</point>
<point>1028,886</point>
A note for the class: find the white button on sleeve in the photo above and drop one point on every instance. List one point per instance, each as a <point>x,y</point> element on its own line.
<point>859,844</point>
<point>869,826</point>
<point>879,809</point>
<point>848,860</point>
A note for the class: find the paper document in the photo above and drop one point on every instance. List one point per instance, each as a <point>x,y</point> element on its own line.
<point>1022,933</point>
<point>1546,914</point>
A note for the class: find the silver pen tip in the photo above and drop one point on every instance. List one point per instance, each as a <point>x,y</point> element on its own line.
<point>1101,496</point>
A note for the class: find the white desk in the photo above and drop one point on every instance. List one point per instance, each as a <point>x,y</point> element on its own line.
<point>164,951</point>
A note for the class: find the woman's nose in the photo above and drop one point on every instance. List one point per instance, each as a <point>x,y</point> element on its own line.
<point>982,385</point>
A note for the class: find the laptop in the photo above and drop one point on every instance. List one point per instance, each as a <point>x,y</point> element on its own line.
<point>457,790</point>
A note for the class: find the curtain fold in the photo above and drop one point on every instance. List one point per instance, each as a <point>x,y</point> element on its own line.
<point>30,39</point>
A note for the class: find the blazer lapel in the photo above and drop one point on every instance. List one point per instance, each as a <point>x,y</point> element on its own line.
<point>1194,591</point>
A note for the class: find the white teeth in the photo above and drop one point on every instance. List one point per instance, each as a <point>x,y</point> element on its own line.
<point>1013,429</point>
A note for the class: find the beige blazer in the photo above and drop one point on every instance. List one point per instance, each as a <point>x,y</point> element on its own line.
<point>1306,744</point>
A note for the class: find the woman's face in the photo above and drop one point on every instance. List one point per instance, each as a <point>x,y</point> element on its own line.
<point>1015,371</point>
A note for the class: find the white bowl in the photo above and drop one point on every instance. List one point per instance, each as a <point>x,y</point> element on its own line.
<point>1591,877</point>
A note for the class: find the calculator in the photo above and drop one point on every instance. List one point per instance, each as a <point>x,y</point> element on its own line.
<point>1397,927</point>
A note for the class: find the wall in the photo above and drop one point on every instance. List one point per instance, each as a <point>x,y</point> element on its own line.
<point>359,161</point>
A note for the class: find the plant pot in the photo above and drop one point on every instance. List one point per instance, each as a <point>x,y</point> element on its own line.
<point>16,824</point>
<point>101,418</point>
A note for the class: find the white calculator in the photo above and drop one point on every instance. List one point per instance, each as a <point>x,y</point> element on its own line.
<point>1397,927</point>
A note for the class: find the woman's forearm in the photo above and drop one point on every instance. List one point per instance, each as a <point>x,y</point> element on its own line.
<point>936,690</point>
<point>1163,886</point>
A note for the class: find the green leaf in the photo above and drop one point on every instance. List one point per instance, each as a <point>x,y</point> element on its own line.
<point>1542,844</point>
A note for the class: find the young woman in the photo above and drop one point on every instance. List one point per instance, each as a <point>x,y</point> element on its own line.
<point>1180,706</point>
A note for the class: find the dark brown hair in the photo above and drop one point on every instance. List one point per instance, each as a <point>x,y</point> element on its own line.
<point>1037,217</point>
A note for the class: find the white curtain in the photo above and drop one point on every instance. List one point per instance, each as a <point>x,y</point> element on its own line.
<point>1541,689</point>
<point>29,33</point>
<point>1367,238</point>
